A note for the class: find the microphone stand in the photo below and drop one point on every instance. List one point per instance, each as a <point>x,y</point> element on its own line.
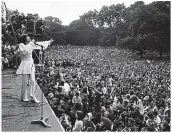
<point>43,119</point>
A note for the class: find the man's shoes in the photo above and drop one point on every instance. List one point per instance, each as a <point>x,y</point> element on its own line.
<point>25,99</point>
<point>34,99</point>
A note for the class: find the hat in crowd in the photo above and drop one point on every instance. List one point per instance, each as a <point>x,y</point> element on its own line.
<point>106,113</point>
<point>90,115</point>
<point>146,98</point>
<point>126,101</point>
<point>133,97</point>
<point>138,86</point>
<point>50,95</point>
<point>169,100</point>
<point>148,61</point>
<point>103,108</point>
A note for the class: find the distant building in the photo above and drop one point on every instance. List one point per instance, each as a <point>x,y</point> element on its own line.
<point>3,11</point>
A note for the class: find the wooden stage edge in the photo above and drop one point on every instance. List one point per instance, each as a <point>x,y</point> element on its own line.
<point>17,115</point>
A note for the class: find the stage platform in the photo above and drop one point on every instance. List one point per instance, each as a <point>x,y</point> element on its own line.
<point>17,115</point>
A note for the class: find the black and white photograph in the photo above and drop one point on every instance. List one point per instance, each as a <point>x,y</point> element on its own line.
<point>85,66</point>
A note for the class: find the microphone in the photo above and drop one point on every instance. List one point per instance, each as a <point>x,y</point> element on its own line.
<point>37,44</point>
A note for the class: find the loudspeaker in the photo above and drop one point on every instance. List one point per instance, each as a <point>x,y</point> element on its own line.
<point>37,35</point>
<point>31,25</point>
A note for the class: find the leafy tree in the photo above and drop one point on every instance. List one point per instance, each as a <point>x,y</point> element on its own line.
<point>150,25</point>
<point>54,30</point>
<point>110,16</point>
<point>80,33</point>
<point>53,19</point>
<point>90,18</point>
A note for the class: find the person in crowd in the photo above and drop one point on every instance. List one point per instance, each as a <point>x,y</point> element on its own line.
<point>65,121</point>
<point>2,64</point>
<point>87,123</point>
<point>79,122</point>
<point>65,89</point>
<point>77,101</point>
<point>106,123</point>
<point>10,59</point>
<point>6,62</point>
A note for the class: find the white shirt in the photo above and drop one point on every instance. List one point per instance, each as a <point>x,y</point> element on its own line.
<point>78,126</point>
<point>104,89</point>
<point>140,106</point>
<point>157,120</point>
<point>5,60</point>
<point>65,88</point>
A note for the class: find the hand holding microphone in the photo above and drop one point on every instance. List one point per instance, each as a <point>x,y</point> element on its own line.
<point>51,40</point>
<point>33,40</point>
<point>43,45</point>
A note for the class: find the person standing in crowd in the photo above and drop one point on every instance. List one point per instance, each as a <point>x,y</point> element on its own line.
<point>138,104</point>
<point>10,59</point>
<point>6,62</point>
<point>77,101</point>
<point>97,102</point>
<point>27,68</point>
<point>79,122</point>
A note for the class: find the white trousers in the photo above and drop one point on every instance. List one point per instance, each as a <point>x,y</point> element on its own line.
<point>28,84</point>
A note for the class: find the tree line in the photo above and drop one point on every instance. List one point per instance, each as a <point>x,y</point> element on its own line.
<point>139,27</point>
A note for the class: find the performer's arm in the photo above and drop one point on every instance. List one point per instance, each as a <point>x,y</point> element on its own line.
<point>20,49</point>
<point>44,44</point>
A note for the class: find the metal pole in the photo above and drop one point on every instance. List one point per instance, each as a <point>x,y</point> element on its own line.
<point>42,62</point>
<point>43,120</point>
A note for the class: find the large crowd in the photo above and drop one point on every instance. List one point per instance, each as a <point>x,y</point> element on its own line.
<point>107,91</point>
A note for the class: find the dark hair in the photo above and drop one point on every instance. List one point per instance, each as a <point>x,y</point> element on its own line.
<point>80,115</point>
<point>61,83</point>
<point>166,127</point>
<point>23,39</point>
<point>77,93</point>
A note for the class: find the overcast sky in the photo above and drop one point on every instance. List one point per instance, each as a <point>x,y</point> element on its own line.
<point>66,10</point>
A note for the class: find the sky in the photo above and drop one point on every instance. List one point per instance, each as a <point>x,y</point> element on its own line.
<point>66,10</point>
